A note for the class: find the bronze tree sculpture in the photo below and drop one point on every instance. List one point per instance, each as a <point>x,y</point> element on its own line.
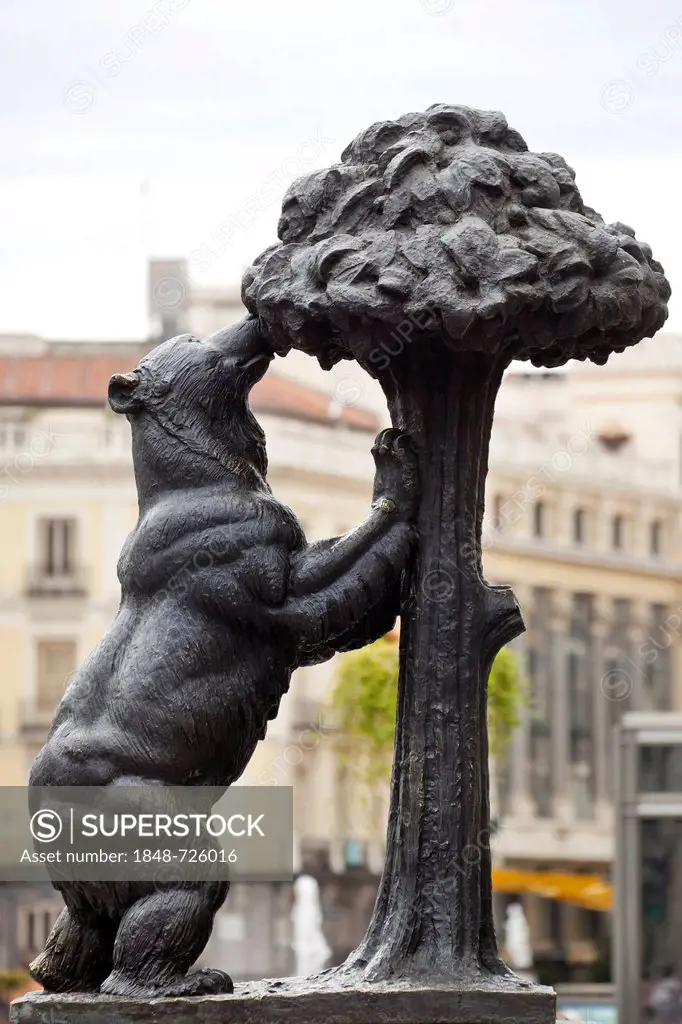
<point>437,251</point>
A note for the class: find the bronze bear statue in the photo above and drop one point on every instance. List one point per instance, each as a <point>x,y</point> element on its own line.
<point>182,686</point>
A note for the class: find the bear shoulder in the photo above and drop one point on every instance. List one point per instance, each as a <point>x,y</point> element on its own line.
<point>200,530</point>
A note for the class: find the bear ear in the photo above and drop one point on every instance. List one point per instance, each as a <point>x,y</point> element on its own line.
<point>122,392</point>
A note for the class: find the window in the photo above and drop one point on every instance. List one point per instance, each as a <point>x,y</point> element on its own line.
<point>539,650</point>
<point>556,918</point>
<point>655,534</point>
<point>590,925</point>
<point>617,684</point>
<point>543,923</point>
<point>56,661</point>
<point>617,531</point>
<point>579,526</point>
<point>57,539</point>
<point>539,519</point>
<point>13,435</point>
<point>497,512</point>
<point>34,924</point>
<point>658,660</point>
<point>580,674</point>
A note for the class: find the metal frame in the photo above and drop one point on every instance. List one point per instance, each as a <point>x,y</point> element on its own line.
<point>636,729</point>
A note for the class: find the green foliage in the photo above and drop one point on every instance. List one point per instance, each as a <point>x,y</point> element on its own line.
<point>10,981</point>
<point>506,697</point>
<point>365,700</point>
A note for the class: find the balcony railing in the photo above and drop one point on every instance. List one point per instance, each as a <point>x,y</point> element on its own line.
<point>45,582</point>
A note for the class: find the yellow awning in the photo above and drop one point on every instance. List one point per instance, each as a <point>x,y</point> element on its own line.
<point>589,891</point>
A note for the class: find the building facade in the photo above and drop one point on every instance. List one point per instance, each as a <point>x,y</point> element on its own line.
<point>587,533</point>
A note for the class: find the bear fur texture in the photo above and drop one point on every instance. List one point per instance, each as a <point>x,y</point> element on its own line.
<point>221,599</point>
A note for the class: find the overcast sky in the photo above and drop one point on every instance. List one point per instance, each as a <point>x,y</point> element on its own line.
<point>196,103</point>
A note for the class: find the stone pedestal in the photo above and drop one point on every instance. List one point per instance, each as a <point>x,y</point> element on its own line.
<point>281,1003</point>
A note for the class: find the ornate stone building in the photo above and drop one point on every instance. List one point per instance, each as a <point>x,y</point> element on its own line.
<point>586,528</point>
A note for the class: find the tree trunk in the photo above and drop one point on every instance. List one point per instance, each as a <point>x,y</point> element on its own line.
<point>433,915</point>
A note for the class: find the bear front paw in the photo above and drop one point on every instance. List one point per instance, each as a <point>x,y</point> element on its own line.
<point>396,480</point>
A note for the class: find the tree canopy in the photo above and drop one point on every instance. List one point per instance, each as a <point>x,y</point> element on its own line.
<point>445,218</point>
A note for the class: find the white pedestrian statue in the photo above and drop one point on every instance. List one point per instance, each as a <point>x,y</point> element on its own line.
<point>310,946</point>
<point>517,942</point>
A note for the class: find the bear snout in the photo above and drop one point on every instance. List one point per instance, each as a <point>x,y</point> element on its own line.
<point>121,392</point>
<point>246,343</point>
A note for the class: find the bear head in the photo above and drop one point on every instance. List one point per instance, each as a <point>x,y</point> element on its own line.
<point>187,403</point>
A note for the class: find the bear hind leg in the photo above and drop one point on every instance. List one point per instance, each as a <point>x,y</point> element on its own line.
<point>78,955</point>
<point>159,939</point>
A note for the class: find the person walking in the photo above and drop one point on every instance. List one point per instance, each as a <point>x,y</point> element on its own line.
<point>665,1001</point>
